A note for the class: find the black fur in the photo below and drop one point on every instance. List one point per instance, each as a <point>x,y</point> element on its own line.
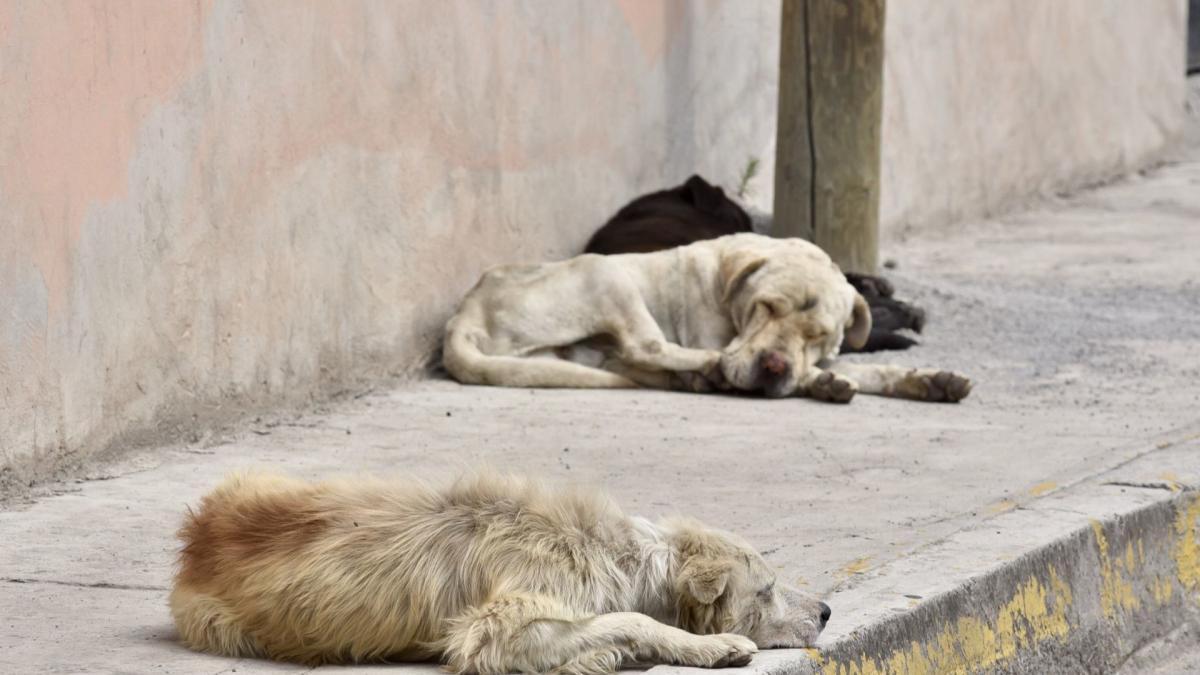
<point>698,210</point>
<point>679,216</point>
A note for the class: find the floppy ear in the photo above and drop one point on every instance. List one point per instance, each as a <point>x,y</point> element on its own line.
<point>735,269</point>
<point>860,323</point>
<point>703,579</point>
<point>705,196</point>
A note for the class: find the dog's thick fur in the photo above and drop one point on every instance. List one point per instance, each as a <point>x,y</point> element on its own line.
<point>668,218</point>
<point>493,574</point>
<point>743,311</point>
<point>699,210</point>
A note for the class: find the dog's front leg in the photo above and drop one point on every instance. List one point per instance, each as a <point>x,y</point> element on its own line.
<point>645,640</point>
<point>655,353</point>
<point>641,344</point>
<point>532,633</point>
<point>921,384</point>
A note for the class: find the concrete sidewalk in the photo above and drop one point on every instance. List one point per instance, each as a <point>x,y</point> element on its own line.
<point>1079,322</point>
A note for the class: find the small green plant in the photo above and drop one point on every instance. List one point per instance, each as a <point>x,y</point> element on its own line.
<point>748,175</point>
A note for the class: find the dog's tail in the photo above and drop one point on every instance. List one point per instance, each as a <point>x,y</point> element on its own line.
<point>468,364</point>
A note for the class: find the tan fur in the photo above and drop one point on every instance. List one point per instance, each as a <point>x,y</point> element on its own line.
<point>492,574</point>
<point>743,311</point>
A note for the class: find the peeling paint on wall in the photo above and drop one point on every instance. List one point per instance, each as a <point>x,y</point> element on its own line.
<point>1186,551</point>
<point>1033,614</point>
<point>94,70</point>
<point>1116,592</point>
<point>1103,590</point>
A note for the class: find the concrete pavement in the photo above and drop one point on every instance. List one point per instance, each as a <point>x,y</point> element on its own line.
<point>922,524</point>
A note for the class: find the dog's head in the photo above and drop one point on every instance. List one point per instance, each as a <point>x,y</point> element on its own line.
<point>723,585</point>
<point>791,307</point>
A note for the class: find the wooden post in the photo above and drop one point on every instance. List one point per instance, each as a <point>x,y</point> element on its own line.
<point>793,147</point>
<point>830,115</point>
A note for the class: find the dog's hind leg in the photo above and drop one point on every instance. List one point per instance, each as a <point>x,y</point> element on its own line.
<point>469,365</point>
<point>651,379</point>
<point>533,633</point>
<point>544,371</point>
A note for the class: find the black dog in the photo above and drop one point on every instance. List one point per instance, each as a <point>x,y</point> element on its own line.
<point>698,210</point>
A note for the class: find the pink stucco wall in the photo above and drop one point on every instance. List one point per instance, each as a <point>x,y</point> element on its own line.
<point>207,207</point>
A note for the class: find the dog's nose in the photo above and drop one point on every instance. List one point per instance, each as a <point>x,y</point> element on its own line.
<point>773,363</point>
<point>825,613</point>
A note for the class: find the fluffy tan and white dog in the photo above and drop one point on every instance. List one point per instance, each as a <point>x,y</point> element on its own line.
<point>492,574</point>
<point>743,311</point>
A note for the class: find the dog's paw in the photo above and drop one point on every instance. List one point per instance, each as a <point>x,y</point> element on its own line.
<point>712,364</point>
<point>725,650</point>
<point>916,317</point>
<point>941,386</point>
<point>693,382</point>
<point>832,387</point>
<point>709,378</point>
<point>716,379</point>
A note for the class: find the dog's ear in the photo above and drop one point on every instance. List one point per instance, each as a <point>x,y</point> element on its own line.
<point>704,195</point>
<point>735,269</point>
<point>859,328</point>
<point>703,579</point>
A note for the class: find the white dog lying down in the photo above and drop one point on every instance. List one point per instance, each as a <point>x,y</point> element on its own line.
<point>744,311</point>
<point>494,574</point>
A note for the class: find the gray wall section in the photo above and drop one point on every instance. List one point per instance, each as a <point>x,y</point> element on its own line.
<point>211,207</point>
<point>987,103</point>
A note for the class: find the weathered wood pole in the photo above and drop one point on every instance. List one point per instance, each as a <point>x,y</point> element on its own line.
<point>830,115</point>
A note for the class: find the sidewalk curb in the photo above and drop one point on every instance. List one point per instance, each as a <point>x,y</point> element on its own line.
<point>1081,604</point>
<point>1072,583</point>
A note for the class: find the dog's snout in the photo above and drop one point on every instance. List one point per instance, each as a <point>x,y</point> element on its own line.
<point>826,612</point>
<point>774,371</point>
<point>773,363</point>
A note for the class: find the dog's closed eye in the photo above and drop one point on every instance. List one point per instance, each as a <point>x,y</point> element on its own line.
<point>775,308</point>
